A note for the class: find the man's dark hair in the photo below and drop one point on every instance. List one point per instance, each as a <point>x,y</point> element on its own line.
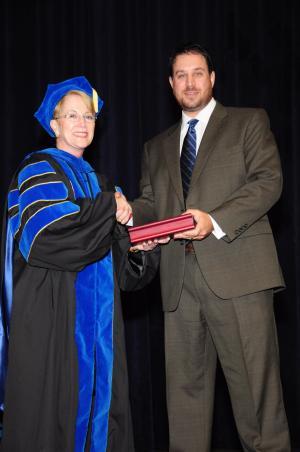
<point>190,47</point>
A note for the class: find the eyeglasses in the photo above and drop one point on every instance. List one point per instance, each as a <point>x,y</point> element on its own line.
<point>73,116</point>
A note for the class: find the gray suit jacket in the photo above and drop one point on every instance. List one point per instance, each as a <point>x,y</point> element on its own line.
<point>236,179</point>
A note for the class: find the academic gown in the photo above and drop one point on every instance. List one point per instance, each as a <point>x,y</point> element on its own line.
<point>66,384</point>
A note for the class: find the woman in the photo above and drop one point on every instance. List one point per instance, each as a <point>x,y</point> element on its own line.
<point>66,386</point>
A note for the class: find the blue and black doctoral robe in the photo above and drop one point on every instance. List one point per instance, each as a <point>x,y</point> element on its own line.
<point>66,384</point>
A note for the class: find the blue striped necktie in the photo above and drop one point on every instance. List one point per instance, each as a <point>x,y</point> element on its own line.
<point>188,156</point>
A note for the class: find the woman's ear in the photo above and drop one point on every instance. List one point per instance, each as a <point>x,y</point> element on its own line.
<point>54,127</point>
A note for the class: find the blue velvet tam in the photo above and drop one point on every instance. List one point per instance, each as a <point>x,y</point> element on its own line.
<point>56,91</point>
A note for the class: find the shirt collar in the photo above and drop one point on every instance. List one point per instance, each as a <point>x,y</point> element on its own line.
<point>203,115</point>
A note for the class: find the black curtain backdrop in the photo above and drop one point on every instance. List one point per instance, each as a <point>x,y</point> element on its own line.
<point>122,47</point>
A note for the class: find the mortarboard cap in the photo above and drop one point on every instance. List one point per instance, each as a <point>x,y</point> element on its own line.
<point>56,91</point>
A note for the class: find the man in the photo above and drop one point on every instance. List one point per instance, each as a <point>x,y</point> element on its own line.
<point>221,165</point>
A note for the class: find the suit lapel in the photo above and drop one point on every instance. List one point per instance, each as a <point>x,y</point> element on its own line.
<point>209,139</point>
<point>172,156</point>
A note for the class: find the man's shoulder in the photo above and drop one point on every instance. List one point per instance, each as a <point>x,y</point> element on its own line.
<point>244,110</point>
<point>165,134</point>
<point>241,112</point>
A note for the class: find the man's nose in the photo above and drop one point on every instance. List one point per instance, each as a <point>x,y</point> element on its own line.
<point>190,80</point>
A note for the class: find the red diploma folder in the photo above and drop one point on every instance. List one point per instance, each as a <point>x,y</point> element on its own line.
<point>161,228</point>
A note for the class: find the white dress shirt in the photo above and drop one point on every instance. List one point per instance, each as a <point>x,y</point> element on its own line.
<point>203,118</point>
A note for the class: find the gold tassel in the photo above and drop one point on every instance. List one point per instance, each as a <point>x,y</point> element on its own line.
<point>95,100</point>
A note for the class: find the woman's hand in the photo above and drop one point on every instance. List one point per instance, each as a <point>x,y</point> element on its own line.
<point>124,210</point>
<point>149,245</point>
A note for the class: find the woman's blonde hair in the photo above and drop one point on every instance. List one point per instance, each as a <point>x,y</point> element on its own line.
<point>86,99</point>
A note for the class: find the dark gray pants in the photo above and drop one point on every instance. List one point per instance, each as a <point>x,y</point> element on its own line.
<point>242,333</point>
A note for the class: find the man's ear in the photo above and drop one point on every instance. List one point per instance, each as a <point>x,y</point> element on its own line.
<point>171,81</point>
<point>212,78</point>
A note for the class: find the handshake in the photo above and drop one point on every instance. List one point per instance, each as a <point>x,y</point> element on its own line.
<point>124,210</point>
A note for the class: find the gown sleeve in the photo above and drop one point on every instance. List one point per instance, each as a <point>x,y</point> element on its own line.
<point>53,229</point>
<point>133,270</point>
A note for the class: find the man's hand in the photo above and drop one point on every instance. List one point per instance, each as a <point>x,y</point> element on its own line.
<point>149,245</point>
<point>203,228</point>
<point>124,210</point>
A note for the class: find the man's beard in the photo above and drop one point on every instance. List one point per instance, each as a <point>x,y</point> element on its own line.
<point>197,105</point>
